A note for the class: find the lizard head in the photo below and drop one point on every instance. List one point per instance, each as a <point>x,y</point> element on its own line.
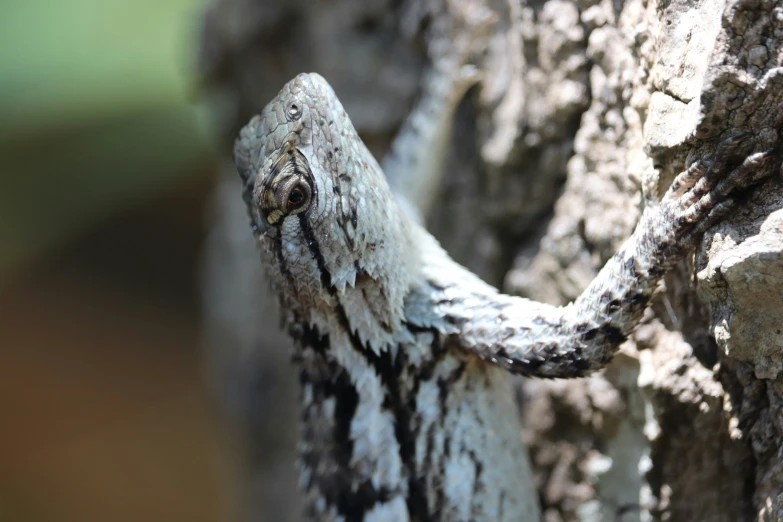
<point>319,203</point>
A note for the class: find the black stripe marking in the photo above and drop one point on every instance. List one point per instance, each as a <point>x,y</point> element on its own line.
<point>354,217</point>
<point>281,262</point>
<point>278,245</point>
<point>389,370</point>
<point>613,334</point>
<point>340,488</point>
<point>315,251</point>
<point>445,384</point>
<point>354,504</point>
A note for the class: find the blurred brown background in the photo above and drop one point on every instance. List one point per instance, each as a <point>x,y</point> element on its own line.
<point>105,171</point>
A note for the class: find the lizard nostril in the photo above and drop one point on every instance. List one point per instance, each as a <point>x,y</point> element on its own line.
<point>294,112</point>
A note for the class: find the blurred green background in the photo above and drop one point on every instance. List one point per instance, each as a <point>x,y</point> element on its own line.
<point>95,115</point>
<point>105,171</point>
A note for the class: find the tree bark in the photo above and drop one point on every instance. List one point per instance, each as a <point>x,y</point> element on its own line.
<point>585,106</point>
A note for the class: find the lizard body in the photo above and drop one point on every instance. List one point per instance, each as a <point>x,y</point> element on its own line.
<point>404,356</point>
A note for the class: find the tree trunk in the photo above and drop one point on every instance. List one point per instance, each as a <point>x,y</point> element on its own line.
<point>584,106</point>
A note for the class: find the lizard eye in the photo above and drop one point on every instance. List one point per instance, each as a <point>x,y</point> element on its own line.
<point>298,197</point>
<point>289,187</point>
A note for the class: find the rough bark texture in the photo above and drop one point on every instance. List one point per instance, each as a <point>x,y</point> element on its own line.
<point>586,105</point>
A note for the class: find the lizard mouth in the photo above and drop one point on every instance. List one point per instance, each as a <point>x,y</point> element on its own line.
<point>258,223</point>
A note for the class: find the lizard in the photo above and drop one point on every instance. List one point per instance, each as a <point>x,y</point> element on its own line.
<point>404,356</point>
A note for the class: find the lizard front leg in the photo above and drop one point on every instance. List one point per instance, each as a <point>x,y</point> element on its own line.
<point>535,339</point>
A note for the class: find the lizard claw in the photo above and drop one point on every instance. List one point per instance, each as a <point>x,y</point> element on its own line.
<point>700,177</point>
<point>732,149</point>
<point>700,196</point>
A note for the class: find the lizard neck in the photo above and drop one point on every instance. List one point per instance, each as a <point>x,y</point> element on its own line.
<point>359,290</point>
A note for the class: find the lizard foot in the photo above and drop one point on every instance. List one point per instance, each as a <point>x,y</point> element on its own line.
<point>701,195</point>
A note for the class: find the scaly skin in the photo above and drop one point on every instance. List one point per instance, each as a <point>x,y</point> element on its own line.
<point>404,356</point>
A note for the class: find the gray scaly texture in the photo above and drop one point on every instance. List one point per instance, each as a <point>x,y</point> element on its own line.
<point>404,356</point>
